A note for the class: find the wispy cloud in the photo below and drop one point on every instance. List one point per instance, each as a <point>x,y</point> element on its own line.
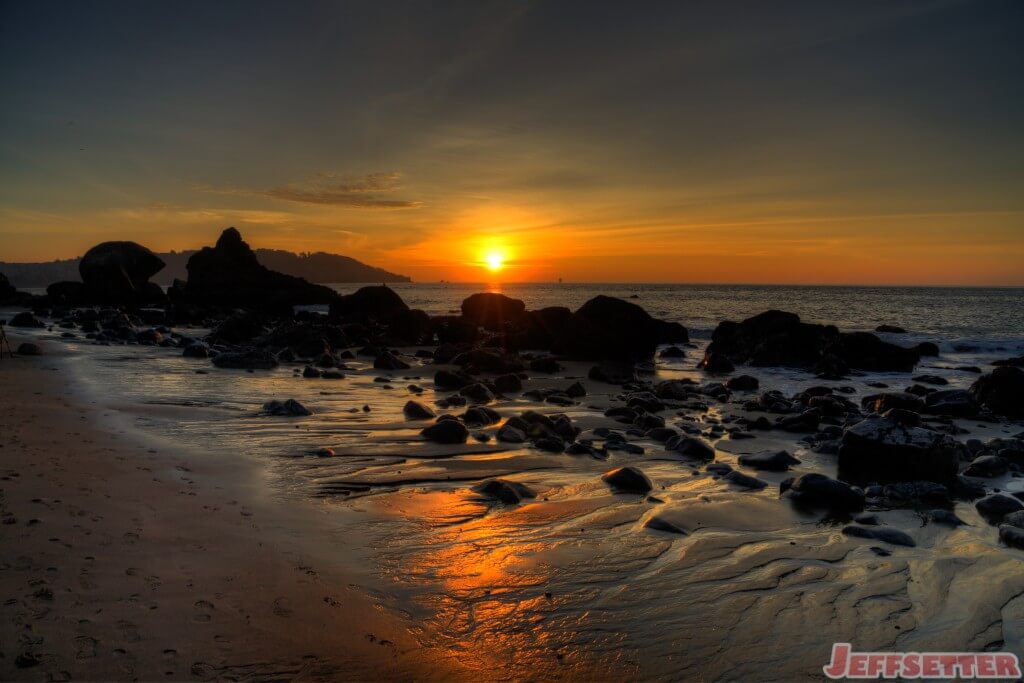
<point>372,191</point>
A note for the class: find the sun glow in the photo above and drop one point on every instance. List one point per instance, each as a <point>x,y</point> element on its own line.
<point>494,261</point>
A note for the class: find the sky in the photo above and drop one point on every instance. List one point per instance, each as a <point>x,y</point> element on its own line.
<point>846,142</point>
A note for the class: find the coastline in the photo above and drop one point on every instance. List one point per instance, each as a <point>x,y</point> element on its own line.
<point>124,559</point>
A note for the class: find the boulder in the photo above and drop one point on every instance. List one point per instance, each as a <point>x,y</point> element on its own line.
<point>25,319</point>
<point>880,403</point>
<point>492,311</point>
<point>886,448</point>
<point>986,467</point>
<point>246,359</point>
<point>118,273</point>
<point>774,461</point>
<point>691,447</point>
<point>375,302</point>
<point>817,490</point>
<point>29,349</point>
<point>606,328</point>
<point>288,408</point>
<point>66,293</point>
<point>389,361</point>
<point>414,410</point>
<point>952,402</point>
<point>744,480</point>
<point>508,383</point>
<point>511,434</point>
<point>446,431</point>
<point>228,275</point>
<point>714,362</point>
<point>1001,391</point>
<point>537,329</point>
<point>508,492</point>
<point>742,383</point>
<point>627,480</point>
<point>779,338</point>
<point>1012,536</point>
<point>997,506</point>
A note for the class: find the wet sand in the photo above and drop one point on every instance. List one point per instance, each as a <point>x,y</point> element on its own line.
<point>124,558</point>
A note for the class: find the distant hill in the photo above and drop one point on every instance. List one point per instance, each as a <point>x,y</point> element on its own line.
<point>318,267</point>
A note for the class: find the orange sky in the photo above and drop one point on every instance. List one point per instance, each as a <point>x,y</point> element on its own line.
<point>855,144</point>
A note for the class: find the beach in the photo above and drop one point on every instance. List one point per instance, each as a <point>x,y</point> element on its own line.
<point>169,520</point>
<point>126,558</point>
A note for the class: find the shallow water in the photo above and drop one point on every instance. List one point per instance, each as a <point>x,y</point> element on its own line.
<point>571,584</point>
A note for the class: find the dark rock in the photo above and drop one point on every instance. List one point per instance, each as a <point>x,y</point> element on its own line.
<point>492,311</point>
<point>817,490</point>
<point>775,461</point>
<point>884,534</point>
<point>672,352</point>
<point>29,349</point>
<point>690,447</point>
<point>744,480</point>
<point>880,403</point>
<point>389,361</point>
<point>743,383</point>
<point>606,328</point>
<point>891,329</point>
<point>547,366</point>
<point>446,432</point>
<point>865,351</point>
<point>927,349</point>
<point>661,524</point>
<point>997,506</point>
<point>576,390</point>
<point>1012,536</point>
<point>448,380</point>
<point>409,328</point>
<point>944,517</point>
<point>508,383</point>
<point>414,410</point>
<point>1017,362</point>
<point>931,379</point>
<point>807,421</point>
<point>883,448</point>
<point>488,360</point>
<point>953,402</point>
<point>627,480</point>
<point>228,275</point>
<point>66,293</point>
<point>248,359</point>
<point>551,444</point>
<point>25,319</point>
<point>716,363</point>
<point>1001,391</point>
<point>613,373</point>
<point>537,329</point>
<point>986,466</point>
<point>510,434</point>
<point>118,273</point>
<point>289,408</point>
<point>374,302</point>
<point>309,372</point>
<point>477,393</point>
<point>508,492</point>
<point>481,416</point>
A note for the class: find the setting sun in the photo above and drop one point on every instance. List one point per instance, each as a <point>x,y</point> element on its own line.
<point>494,260</point>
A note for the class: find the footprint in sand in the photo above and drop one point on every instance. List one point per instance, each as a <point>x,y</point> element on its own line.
<point>203,609</point>
<point>129,631</point>
<point>85,647</point>
<point>282,608</point>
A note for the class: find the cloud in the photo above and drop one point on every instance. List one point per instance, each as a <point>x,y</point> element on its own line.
<point>332,189</point>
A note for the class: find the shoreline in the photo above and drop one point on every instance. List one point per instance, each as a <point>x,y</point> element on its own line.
<point>127,559</point>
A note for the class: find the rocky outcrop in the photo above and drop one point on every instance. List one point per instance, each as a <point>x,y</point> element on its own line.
<point>229,276</point>
<point>606,328</point>
<point>778,338</point>
<point>115,273</point>
<point>492,311</point>
<point>892,447</point>
<point>1001,391</point>
<point>369,303</point>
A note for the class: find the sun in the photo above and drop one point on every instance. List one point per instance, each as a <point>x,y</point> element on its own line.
<point>494,260</point>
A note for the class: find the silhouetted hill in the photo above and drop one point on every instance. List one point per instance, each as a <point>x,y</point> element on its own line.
<point>316,267</point>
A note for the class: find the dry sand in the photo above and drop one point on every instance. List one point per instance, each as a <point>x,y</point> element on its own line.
<point>126,559</point>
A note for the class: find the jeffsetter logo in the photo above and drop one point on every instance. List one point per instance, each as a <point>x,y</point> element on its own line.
<point>959,665</point>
